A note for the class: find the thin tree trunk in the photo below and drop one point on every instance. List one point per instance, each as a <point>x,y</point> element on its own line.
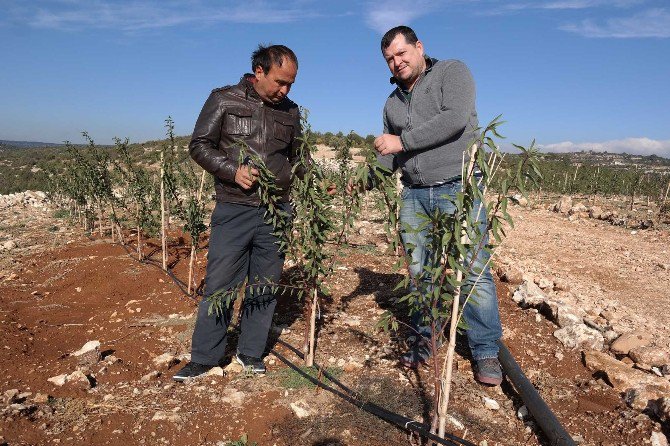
<point>120,231</point>
<point>667,190</point>
<point>309,357</point>
<point>445,378</point>
<point>191,279</point>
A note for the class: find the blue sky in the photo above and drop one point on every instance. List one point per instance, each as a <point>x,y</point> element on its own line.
<point>574,74</point>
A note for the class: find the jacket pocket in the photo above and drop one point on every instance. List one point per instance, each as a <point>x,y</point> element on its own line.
<point>283,129</point>
<point>238,122</point>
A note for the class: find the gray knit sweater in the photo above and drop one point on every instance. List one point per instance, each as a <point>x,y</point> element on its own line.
<point>436,125</point>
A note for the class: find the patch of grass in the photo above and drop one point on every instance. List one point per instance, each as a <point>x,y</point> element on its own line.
<point>243,441</point>
<point>366,249</point>
<point>290,379</point>
<point>61,213</point>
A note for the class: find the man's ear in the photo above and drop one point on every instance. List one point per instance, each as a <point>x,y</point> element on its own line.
<point>419,46</point>
<point>258,71</point>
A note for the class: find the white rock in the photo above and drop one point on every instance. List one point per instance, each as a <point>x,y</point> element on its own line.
<point>566,315</point>
<point>166,416</point>
<point>580,336</point>
<point>658,439</point>
<point>166,360</point>
<point>529,294</point>
<point>215,371</point>
<point>151,375</point>
<point>353,321</point>
<point>522,413</point>
<point>457,424</point>
<point>233,397</point>
<point>233,368</point>
<point>79,379</point>
<point>563,205</point>
<point>491,403</point>
<point>9,245</point>
<point>58,380</point>
<point>299,410</point>
<point>89,346</point>
<point>629,341</point>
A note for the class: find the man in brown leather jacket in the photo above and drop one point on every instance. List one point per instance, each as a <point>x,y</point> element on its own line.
<point>257,113</point>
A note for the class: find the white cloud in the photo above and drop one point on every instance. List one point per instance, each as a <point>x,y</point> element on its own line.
<point>637,146</point>
<point>384,15</point>
<point>558,5</point>
<point>650,23</point>
<point>583,4</point>
<point>137,15</point>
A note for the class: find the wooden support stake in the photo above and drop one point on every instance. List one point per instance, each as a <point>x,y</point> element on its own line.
<point>163,238</point>
<point>309,357</point>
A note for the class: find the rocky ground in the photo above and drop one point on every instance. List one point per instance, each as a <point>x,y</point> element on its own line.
<point>90,339</point>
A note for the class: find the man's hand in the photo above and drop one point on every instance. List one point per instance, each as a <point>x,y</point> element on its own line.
<point>352,187</point>
<point>331,189</point>
<point>388,144</point>
<point>246,176</point>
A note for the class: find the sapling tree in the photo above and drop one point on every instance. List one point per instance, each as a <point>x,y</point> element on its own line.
<point>139,193</point>
<point>302,235</point>
<point>454,240</point>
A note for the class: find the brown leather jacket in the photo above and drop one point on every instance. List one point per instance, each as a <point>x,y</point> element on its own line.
<point>236,114</point>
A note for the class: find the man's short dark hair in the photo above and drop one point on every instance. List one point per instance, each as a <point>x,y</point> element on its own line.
<point>266,56</point>
<point>410,36</point>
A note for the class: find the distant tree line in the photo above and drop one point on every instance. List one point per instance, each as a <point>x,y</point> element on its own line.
<point>560,174</point>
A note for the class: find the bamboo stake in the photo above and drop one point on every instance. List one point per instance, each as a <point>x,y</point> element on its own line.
<point>100,219</point>
<point>163,238</point>
<point>309,357</point>
<point>445,379</point>
<point>139,237</point>
<point>111,223</point>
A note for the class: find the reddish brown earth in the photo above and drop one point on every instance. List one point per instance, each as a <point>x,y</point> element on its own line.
<point>60,289</point>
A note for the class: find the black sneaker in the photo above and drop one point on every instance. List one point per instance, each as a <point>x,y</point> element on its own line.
<point>191,370</point>
<point>255,365</point>
<point>488,371</point>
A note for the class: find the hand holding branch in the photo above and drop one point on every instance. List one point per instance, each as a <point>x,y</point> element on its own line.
<point>246,176</point>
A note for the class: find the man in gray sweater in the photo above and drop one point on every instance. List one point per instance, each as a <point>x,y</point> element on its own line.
<point>429,121</point>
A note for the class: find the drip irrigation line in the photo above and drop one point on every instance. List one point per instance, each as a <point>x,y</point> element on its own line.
<point>181,285</point>
<point>353,397</point>
<point>540,411</point>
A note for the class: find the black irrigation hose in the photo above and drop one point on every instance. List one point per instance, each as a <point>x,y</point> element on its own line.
<point>542,414</point>
<point>540,411</point>
<point>181,285</point>
<point>350,396</point>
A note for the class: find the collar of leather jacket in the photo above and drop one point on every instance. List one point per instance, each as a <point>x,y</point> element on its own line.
<point>246,84</point>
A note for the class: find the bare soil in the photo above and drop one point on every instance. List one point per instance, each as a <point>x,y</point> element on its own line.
<point>60,289</point>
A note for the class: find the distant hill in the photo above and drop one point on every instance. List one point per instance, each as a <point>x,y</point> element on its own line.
<point>4,144</point>
<point>608,159</point>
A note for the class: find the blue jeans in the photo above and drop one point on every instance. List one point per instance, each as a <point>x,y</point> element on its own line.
<point>481,312</point>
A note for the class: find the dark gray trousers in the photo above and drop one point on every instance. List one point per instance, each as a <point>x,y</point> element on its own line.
<point>241,245</point>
